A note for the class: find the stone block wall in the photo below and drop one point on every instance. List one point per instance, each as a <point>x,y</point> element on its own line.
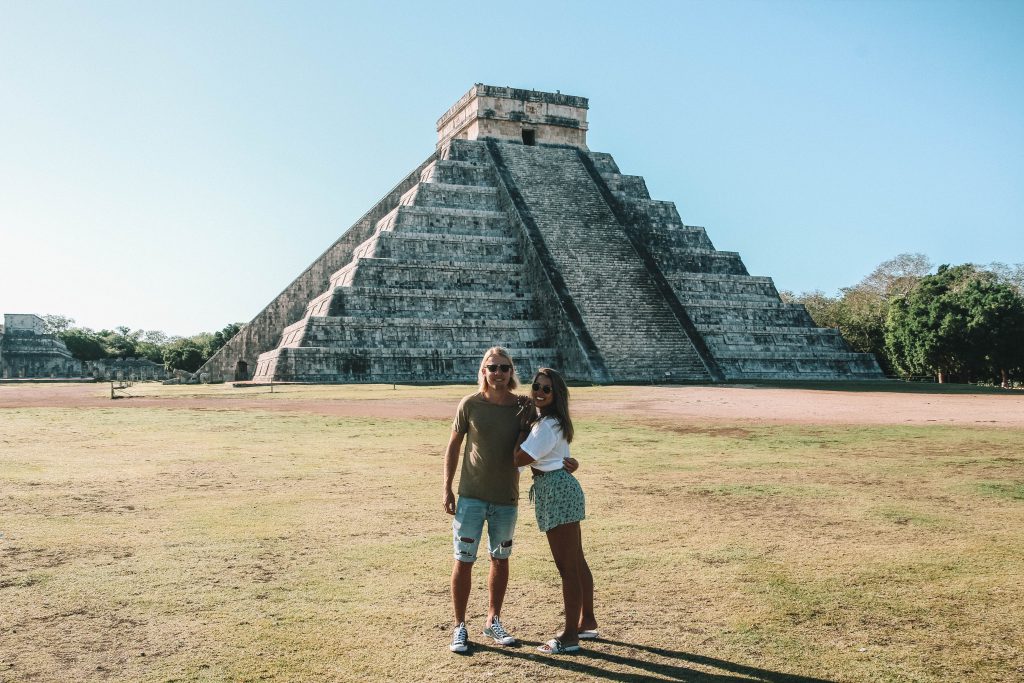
<point>126,368</point>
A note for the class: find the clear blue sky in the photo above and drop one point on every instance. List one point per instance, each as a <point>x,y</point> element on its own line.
<point>175,165</point>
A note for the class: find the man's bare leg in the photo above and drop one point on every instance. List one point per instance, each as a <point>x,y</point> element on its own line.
<point>462,581</point>
<point>497,583</point>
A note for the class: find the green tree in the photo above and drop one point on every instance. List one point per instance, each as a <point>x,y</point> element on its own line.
<point>184,354</point>
<point>860,311</point>
<point>150,351</point>
<point>961,320</point>
<point>121,342</point>
<point>204,342</point>
<point>860,316</point>
<point>863,308</point>
<point>156,337</point>
<point>223,336</point>
<point>995,326</point>
<point>83,343</point>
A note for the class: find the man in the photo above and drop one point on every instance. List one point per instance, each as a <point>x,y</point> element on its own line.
<point>491,422</point>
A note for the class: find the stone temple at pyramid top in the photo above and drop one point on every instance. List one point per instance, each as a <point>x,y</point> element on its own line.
<point>507,114</point>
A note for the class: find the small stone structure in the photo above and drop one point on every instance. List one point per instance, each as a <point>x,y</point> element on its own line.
<point>27,351</point>
<point>514,233</point>
<point>489,112</point>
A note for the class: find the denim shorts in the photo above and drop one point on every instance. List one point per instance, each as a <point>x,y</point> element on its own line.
<point>468,525</point>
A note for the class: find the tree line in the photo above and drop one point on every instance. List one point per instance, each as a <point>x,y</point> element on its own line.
<point>175,353</point>
<point>960,323</point>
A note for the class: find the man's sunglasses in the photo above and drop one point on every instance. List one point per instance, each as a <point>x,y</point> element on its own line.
<point>546,389</point>
<point>494,367</point>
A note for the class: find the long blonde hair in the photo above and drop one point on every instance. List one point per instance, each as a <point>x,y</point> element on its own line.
<point>559,408</point>
<point>513,380</point>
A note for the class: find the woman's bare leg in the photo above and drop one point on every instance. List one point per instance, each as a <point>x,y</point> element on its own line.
<point>587,619</point>
<point>564,542</point>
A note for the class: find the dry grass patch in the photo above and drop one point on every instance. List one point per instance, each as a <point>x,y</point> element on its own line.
<point>186,545</point>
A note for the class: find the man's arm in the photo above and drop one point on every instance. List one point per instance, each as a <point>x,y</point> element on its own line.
<point>451,460</point>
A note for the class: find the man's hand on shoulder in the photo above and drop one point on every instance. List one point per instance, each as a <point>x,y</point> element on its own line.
<point>527,412</point>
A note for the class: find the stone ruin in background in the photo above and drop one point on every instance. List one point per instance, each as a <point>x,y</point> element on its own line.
<point>514,233</point>
<point>28,351</point>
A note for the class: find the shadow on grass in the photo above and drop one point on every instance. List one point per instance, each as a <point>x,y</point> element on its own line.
<point>589,662</point>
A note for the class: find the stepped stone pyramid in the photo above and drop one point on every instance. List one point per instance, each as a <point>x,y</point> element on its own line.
<point>514,233</point>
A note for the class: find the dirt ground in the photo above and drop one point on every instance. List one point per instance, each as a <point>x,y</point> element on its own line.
<point>754,404</point>
<point>192,539</point>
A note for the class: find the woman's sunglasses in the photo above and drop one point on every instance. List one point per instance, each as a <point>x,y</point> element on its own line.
<point>546,389</point>
<point>494,367</point>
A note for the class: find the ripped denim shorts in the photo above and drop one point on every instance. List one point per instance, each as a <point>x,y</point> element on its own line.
<point>468,525</point>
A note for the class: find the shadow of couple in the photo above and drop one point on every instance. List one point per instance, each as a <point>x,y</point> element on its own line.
<point>589,662</point>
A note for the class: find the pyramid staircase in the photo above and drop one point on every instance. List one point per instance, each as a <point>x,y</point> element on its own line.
<point>635,330</point>
<point>748,330</point>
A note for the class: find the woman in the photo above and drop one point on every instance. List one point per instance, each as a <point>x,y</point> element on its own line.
<point>559,504</point>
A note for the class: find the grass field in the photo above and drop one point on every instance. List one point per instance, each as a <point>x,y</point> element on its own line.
<point>205,544</point>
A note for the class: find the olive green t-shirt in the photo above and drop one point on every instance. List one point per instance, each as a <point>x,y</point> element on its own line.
<point>488,472</point>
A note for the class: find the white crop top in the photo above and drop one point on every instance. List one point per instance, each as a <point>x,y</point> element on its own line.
<point>546,445</point>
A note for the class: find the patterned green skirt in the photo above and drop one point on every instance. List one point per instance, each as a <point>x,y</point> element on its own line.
<point>557,499</point>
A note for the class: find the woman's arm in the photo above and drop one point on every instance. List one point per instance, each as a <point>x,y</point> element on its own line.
<point>521,457</point>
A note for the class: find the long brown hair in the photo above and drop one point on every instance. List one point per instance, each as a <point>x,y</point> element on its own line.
<point>513,378</point>
<point>559,408</point>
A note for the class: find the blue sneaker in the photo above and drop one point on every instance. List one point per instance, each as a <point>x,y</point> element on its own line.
<point>460,639</point>
<point>498,633</point>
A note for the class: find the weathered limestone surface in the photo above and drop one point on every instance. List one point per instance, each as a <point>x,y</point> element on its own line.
<point>441,278</point>
<point>490,112</point>
<point>635,331</point>
<point>26,350</point>
<point>513,233</point>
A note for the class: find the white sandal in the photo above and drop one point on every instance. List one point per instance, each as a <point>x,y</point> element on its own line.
<point>555,647</point>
